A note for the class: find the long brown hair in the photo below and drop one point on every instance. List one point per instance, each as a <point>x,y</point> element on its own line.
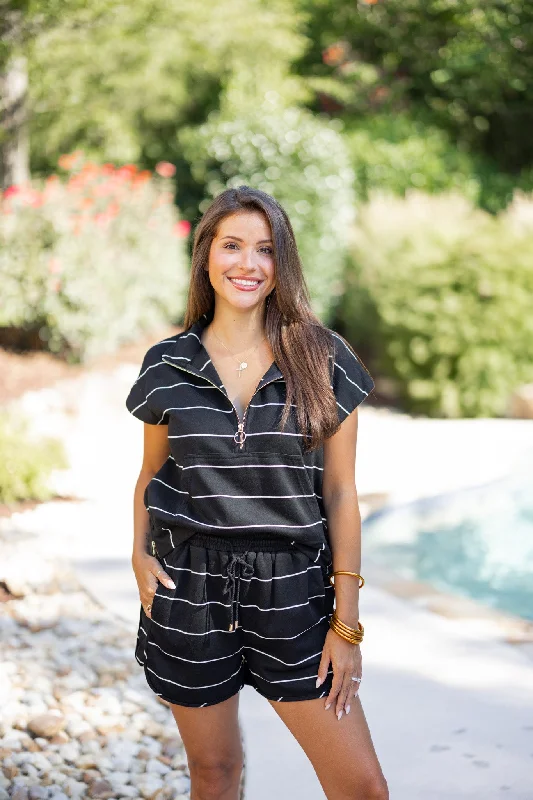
<point>300,342</point>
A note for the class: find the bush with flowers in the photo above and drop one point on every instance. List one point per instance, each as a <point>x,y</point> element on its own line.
<point>91,259</point>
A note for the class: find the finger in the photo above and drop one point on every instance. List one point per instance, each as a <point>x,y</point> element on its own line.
<point>335,688</point>
<point>323,667</point>
<point>344,694</point>
<point>355,687</point>
<point>162,576</point>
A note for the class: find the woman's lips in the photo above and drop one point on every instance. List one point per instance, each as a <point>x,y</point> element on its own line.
<point>247,285</point>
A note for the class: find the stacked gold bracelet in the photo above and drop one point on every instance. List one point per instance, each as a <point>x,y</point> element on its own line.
<point>352,635</point>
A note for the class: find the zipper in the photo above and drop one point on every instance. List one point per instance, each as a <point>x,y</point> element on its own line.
<point>240,432</point>
<point>154,549</point>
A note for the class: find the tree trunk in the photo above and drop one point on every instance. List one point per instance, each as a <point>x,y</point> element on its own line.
<point>14,138</point>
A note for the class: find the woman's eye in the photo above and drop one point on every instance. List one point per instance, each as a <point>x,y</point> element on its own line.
<point>230,245</point>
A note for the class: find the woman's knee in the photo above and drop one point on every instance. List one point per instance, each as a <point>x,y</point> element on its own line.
<point>213,777</point>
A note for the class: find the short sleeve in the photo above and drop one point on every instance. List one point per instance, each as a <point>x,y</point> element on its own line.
<point>351,381</point>
<point>142,398</point>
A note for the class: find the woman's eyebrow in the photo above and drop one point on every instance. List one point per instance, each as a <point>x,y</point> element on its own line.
<point>261,241</point>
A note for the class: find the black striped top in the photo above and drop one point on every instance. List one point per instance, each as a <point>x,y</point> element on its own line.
<point>217,480</point>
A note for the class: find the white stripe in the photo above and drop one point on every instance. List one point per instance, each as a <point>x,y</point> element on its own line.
<point>170,534</point>
<point>180,358</point>
<point>288,680</point>
<point>231,527</point>
<point>146,370</point>
<point>244,630</point>
<point>212,435</point>
<point>253,496</point>
<point>184,336</point>
<point>246,466</point>
<point>180,491</point>
<point>241,605</point>
<point>274,433</point>
<point>312,466</point>
<point>141,627</point>
<point>344,409</point>
<point>205,686</point>
<point>349,379</point>
<point>319,551</point>
<point>207,408</point>
<point>253,578</point>
<point>172,386</point>
<point>205,365</point>
<point>192,660</point>
<point>262,405</point>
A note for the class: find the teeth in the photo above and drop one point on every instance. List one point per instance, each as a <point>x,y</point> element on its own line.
<point>244,282</point>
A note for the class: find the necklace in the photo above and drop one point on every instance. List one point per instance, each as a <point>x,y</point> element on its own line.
<point>242,364</point>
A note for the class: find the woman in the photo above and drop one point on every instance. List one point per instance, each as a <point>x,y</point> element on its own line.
<point>246,505</point>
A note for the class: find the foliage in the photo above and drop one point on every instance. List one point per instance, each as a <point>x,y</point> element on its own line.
<point>298,159</point>
<point>92,260</point>
<point>443,292</point>
<point>397,153</point>
<point>25,464</point>
<point>464,66</point>
<point>119,80</point>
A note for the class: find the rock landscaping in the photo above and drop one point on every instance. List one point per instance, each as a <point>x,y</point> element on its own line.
<point>78,720</point>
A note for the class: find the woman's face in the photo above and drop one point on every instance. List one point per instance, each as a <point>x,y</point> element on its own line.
<point>241,260</point>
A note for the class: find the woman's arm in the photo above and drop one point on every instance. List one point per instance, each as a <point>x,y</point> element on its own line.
<point>156,452</point>
<point>341,504</point>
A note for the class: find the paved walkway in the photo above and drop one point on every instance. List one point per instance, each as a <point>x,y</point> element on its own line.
<point>449,705</point>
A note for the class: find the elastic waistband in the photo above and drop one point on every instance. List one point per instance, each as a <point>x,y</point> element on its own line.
<point>239,544</point>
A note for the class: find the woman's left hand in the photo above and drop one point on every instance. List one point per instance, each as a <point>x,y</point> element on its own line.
<point>346,661</point>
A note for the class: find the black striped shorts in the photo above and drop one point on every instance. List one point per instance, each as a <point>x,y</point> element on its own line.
<point>252,611</point>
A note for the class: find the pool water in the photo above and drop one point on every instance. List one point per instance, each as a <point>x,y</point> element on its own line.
<point>477,543</point>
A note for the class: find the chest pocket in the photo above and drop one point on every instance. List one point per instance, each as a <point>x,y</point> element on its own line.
<point>250,491</point>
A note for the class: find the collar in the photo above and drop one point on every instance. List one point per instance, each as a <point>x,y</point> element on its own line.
<point>188,353</point>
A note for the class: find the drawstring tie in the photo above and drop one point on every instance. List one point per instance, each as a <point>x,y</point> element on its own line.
<point>237,567</point>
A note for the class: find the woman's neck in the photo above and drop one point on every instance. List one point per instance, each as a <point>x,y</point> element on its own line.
<point>238,330</point>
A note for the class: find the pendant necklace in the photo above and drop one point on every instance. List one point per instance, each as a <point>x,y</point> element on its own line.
<point>242,364</point>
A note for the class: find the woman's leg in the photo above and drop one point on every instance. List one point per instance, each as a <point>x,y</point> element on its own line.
<point>341,751</point>
<point>212,741</point>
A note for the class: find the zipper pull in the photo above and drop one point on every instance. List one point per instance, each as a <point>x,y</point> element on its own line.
<point>240,435</point>
<point>154,551</point>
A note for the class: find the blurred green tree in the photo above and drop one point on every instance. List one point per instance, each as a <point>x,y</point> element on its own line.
<point>465,66</point>
<point>118,80</point>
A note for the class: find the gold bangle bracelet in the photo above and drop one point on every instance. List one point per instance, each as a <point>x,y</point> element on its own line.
<point>352,635</point>
<point>345,572</point>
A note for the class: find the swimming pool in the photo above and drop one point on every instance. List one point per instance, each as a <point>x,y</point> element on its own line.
<point>477,542</point>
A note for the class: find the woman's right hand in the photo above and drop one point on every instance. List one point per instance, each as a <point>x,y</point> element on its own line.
<point>148,572</point>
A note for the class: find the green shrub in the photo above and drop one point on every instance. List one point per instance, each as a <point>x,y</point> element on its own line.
<point>443,293</point>
<point>303,163</point>
<point>396,153</point>
<point>91,261</point>
<point>25,464</point>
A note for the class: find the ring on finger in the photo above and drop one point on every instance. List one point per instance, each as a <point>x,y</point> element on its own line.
<point>149,607</point>
<point>356,679</point>
<point>158,571</point>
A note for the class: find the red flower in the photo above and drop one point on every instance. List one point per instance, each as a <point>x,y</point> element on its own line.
<point>181,228</point>
<point>165,169</point>
<point>11,191</point>
<point>69,160</point>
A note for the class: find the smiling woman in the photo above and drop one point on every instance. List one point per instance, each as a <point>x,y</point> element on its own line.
<point>247,500</point>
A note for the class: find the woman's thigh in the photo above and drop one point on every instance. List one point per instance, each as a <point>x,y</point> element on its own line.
<point>341,751</point>
<point>210,735</point>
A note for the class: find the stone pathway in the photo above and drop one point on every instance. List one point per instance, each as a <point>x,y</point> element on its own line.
<point>449,703</point>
